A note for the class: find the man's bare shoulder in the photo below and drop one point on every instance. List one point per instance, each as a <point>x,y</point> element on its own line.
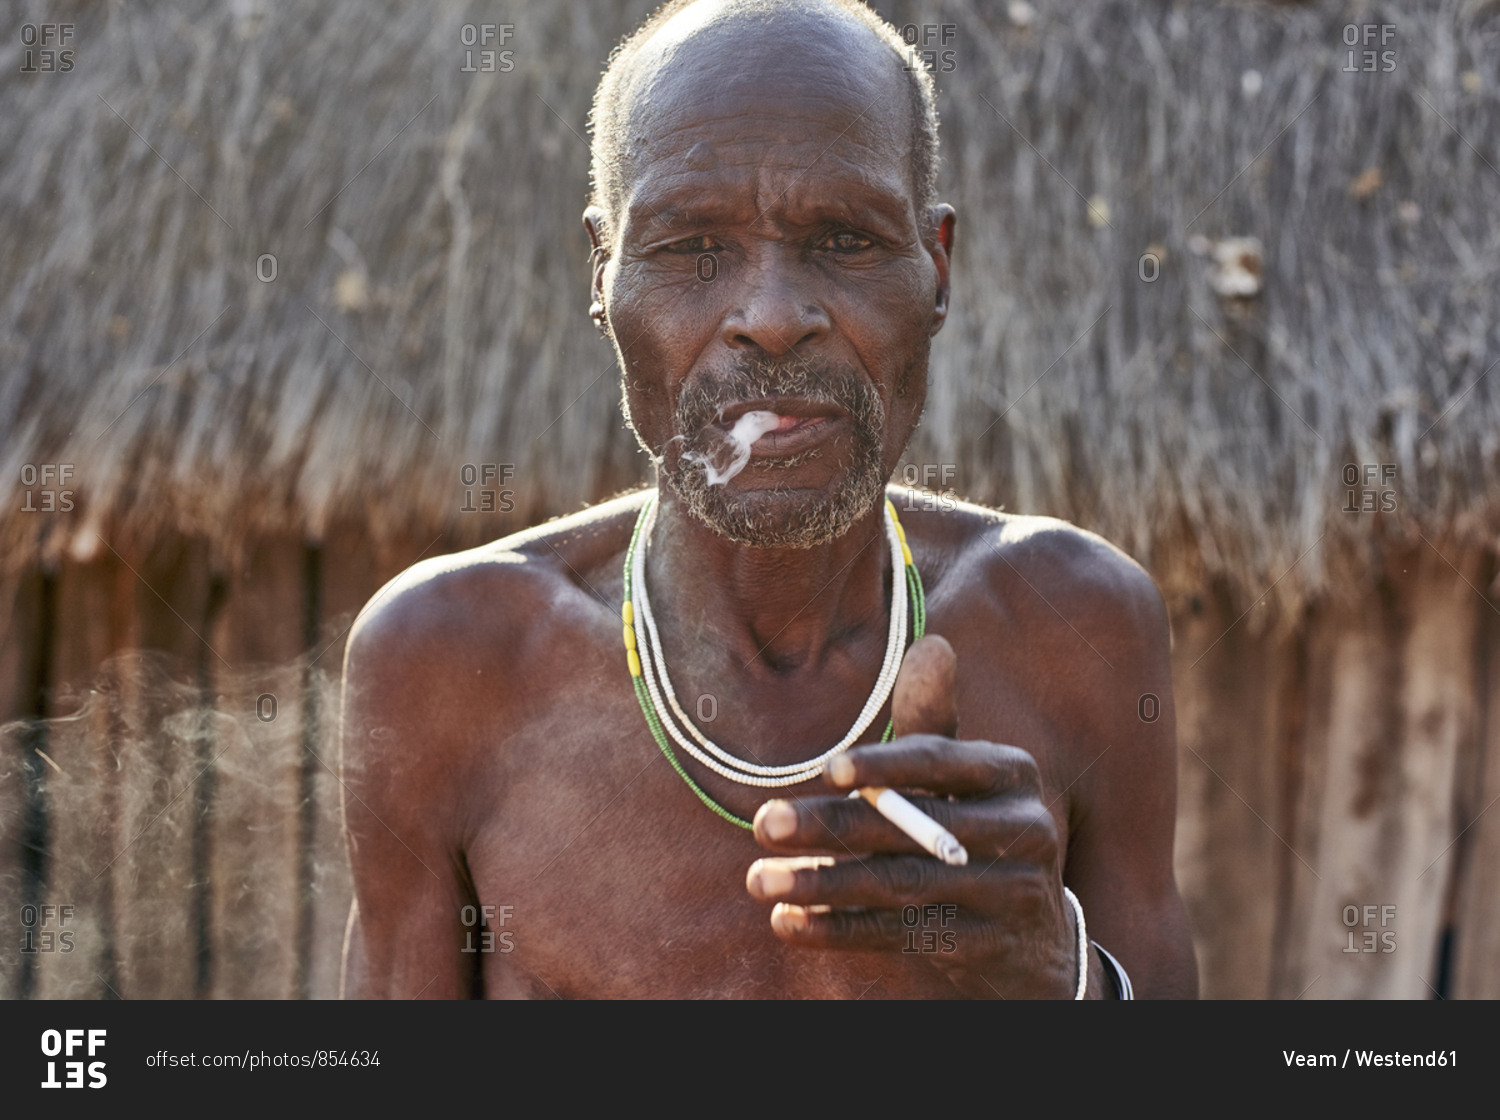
<point>1037,565</point>
<point>485,615</point>
<point>488,590</point>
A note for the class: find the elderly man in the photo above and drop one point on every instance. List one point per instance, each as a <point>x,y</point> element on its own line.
<point>541,801</point>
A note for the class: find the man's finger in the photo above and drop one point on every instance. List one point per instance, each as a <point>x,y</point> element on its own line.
<point>948,932</point>
<point>1018,828</point>
<point>965,768</point>
<point>924,699</point>
<point>875,881</point>
<point>837,929</point>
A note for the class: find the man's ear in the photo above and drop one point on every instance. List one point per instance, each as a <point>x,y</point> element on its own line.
<point>941,221</point>
<point>593,221</point>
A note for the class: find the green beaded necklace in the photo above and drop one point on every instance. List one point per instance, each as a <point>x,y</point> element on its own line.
<point>918,603</point>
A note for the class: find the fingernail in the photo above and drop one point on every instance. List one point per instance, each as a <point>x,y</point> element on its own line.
<point>779,820</point>
<point>775,880</point>
<point>788,919</point>
<point>841,770</point>
<point>767,878</point>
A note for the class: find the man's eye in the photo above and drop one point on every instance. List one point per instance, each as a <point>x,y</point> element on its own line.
<point>701,244</point>
<point>847,241</point>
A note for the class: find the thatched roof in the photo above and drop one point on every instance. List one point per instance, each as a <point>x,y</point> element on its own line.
<point>429,305</point>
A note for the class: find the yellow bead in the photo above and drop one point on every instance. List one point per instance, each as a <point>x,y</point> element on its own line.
<point>629,638</point>
<point>635,663</point>
<point>906,553</point>
<point>627,612</point>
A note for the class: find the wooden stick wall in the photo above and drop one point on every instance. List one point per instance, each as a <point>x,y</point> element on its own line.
<point>1336,837</point>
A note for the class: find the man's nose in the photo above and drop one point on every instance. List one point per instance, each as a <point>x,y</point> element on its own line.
<point>778,309</point>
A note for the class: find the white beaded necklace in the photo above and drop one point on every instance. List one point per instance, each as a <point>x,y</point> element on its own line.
<point>659,685</point>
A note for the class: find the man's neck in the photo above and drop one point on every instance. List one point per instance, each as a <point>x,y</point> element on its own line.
<point>778,608</point>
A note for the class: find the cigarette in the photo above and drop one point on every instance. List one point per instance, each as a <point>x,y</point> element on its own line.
<point>916,824</point>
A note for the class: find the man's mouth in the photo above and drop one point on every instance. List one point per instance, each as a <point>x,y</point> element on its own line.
<point>810,433</point>
<point>789,409</point>
<point>782,426</point>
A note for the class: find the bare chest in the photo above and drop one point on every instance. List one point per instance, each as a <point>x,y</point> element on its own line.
<point>598,873</point>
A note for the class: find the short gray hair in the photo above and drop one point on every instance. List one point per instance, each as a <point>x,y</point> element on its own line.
<point>606,119</point>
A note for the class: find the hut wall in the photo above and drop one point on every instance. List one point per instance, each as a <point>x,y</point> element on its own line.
<point>172,770</point>
<point>1334,774</point>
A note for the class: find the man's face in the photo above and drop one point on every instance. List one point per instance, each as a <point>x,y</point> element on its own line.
<point>768,255</point>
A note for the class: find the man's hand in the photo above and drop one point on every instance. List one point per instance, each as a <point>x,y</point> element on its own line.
<point>1000,926</point>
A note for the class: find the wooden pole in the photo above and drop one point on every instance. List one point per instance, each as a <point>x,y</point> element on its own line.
<point>255,817</point>
<point>1228,683</point>
<point>1476,973</point>
<point>155,890</point>
<point>1397,700</point>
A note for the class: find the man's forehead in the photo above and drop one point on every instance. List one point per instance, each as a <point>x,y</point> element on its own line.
<point>733,92</point>
<point>744,179</point>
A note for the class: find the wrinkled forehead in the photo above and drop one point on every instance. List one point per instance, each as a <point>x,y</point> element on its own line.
<point>808,97</point>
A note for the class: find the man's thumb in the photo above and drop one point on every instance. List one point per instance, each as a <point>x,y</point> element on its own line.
<point>924,699</point>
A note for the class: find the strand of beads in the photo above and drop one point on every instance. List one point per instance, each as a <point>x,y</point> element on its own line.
<point>653,686</point>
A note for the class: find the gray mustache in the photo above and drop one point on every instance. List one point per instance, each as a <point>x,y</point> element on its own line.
<point>704,400</point>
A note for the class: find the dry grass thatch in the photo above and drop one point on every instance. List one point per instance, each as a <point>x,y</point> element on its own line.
<point>429,304</point>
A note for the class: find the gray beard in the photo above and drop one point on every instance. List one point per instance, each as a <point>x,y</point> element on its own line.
<point>778,518</point>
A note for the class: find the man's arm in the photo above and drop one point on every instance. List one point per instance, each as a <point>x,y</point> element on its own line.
<point>400,769</point>
<point>1120,851</point>
<point>1014,933</point>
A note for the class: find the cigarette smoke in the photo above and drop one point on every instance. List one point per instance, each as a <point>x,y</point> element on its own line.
<point>730,451</point>
<point>194,829</point>
<point>779,517</point>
